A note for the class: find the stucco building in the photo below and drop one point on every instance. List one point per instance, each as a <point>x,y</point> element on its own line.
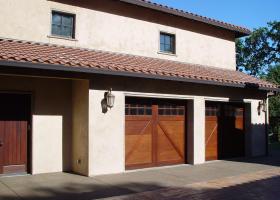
<point>178,98</point>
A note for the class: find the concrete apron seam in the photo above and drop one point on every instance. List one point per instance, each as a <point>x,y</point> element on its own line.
<point>154,168</point>
<point>9,188</point>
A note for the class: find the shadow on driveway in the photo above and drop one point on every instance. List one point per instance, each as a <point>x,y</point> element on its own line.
<point>257,178</point>
<point>266,188</point>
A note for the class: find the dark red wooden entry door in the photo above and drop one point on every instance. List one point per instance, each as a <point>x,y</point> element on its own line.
<point>14,119</point>
<point>155,133</point>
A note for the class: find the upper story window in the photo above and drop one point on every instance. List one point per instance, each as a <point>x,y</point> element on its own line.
<point>167,43</point>
<point>63,24</point>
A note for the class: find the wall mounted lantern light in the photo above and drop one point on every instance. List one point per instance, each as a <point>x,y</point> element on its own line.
<point>110,99</point>
<point>262,107</point>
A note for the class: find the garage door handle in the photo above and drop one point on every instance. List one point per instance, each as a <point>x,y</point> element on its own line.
<point>1,143</point>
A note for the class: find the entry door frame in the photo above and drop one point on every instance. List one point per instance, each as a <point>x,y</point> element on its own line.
<point>29,127</point>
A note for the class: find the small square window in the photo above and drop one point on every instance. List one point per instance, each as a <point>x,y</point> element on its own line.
<point>167,43</point>
<point>63,24</point>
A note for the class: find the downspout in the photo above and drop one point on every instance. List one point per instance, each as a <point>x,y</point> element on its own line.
<point>268,95</point>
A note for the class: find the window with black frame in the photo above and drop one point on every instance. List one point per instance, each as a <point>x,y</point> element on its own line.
<point>167,43</point>
<point>63,24</point>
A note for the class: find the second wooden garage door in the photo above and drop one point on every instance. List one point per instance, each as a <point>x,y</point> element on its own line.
<point>155,133</point>
<point>224,134</point>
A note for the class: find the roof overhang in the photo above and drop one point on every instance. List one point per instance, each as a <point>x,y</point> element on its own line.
<point>78,69</point>
<point>239,31</point>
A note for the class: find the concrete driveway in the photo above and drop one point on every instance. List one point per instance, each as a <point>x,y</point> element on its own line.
<point>257,178</point>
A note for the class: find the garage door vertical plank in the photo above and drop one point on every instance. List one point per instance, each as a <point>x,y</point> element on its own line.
<point>155,133</point>
<point>211,138</point>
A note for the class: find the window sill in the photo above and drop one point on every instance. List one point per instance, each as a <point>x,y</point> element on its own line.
<point>167,54</point>
<point>62,38</point>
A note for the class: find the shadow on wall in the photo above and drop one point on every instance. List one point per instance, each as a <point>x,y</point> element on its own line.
<point>136,12</point>
<point>52,117</point>
<point>258,139</point>
<point>231,136</point>
<point>238,143</point>
<point>238,130</point>
<point>104,106</point>
<point>255,148</point>
<point>140,85</point>
<point>266,187</point>
<point>273,159</point>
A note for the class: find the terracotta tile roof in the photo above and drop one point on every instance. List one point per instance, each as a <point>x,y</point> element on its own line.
<point>242,31</point>
<point>40,53</point>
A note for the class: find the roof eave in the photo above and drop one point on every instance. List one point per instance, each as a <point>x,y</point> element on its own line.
<point>238,33</point>
<point>78,69</point>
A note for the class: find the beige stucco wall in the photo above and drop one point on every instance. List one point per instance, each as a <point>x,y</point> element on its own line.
<point>51,120</point>
<point>47,144</point>
<point>96,139</point>
<point>107,152</point>
<point>199,131</point>
<point>80,127</point>
<point>118,31</point>
<point>195,130</point>
<point>257,130</point>
<point>106,134</point>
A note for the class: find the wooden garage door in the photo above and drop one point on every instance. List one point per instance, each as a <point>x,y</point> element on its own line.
<point>232,135</point>
<point>211,132</point>
<point>14,117</point>
<point>224,133</point>
<point>155,133</point>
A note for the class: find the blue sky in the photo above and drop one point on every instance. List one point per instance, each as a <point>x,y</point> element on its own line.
<point>248,13</point>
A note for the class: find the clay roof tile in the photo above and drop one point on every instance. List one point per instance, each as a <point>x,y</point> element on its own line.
<point>20,51</point>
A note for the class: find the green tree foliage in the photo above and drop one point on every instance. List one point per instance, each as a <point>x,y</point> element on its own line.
<point>259,55</point>
<point>260,51</point>
<point>274,102</point>
<point>274,36</point>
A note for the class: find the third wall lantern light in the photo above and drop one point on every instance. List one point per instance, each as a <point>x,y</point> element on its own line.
<point>262,106</point>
